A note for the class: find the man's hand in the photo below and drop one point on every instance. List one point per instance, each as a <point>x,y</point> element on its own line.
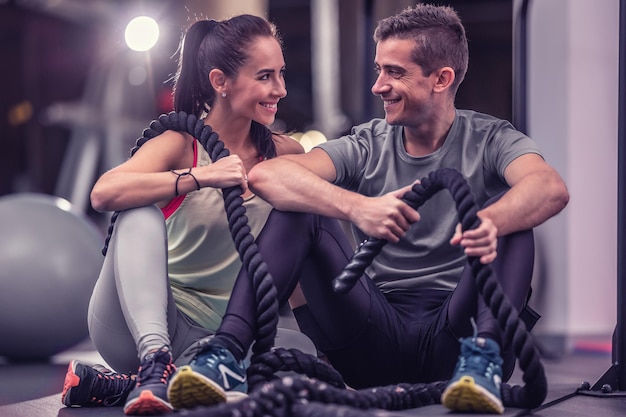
<point>481,242</point>
<point>385,217</point>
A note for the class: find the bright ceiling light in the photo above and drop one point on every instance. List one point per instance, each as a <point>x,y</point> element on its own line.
<point>142,33</point>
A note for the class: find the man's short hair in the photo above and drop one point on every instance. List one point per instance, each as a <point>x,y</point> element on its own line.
<point>439,36</point>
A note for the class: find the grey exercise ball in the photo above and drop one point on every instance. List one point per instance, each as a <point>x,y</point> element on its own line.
<point>49,262</point>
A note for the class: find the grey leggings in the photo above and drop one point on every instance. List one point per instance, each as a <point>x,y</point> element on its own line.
<point>132,310</point>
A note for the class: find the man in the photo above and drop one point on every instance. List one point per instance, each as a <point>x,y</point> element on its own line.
<point>402,320</point>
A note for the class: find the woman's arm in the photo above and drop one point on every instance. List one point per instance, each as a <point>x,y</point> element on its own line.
<point>146,177</point>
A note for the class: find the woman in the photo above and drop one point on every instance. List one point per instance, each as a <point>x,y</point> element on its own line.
<point>171,262</point>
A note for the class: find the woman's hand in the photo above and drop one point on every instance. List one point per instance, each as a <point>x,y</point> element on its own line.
<point>223,173</point>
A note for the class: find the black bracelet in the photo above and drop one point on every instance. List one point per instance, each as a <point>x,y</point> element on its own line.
<point>184,174</point>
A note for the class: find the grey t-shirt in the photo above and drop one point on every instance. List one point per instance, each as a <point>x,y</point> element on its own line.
<point>372,161</point>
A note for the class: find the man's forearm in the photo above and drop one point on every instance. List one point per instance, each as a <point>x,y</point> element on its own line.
<point>528,204</point>
<point>289,186</point>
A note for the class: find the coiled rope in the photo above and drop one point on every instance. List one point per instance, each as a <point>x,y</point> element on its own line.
<point>323,393</point>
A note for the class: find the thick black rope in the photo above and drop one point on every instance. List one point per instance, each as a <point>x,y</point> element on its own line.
<point>263,284</point>
<point>298,396</point>
<point>267,304</point>
<point>533,393</point>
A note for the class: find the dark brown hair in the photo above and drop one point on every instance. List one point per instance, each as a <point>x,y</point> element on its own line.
<point>439,38</point>
<point>225,45</point>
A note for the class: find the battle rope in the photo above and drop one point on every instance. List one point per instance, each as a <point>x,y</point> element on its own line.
<point>534,391</point>
<point>293,395</point>
<point>262,281</point>
<point>264,362</point>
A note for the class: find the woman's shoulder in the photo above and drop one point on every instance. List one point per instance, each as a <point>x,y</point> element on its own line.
<point>285,144</point>
<point>175,140</point>
<point>171,138</point>
<point>176,135</point>
<point>173,147</point>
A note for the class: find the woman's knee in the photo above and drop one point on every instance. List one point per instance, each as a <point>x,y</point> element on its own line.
<point>140,216</point>
<point>142,224</point>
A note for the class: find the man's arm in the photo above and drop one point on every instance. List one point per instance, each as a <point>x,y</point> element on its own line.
<point>537,193</point>
<point>303,183</point>
<point>299,184</point>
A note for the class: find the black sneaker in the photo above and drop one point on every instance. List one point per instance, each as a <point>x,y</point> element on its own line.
<point>93,386</point>
<point>149,397</point>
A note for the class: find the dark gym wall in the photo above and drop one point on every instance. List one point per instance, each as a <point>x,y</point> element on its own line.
<point>487,86</point>
<point>44,60</point>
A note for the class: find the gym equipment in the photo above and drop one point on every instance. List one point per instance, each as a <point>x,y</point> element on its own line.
<point>613,382</point>
<point>49,262</point>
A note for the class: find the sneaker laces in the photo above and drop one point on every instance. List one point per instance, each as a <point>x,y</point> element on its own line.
<point>120,384</point>
<point>201,346</point>
<point>208,346</point>
<point>156,368</point>
<point>470,350</point>
<point>215,355</point>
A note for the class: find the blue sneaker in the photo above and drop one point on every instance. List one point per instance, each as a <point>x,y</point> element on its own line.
<point>475,385</point>
<point>213,376</point>
<point>149,397</point>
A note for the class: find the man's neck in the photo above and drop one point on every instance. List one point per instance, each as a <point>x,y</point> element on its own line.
<point>425,139</point>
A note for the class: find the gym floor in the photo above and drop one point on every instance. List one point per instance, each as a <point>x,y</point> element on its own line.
<point>34,389</point>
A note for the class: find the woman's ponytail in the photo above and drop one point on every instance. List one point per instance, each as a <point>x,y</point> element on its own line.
<point>189,91</point>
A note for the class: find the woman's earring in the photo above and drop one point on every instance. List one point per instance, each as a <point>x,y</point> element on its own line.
<point>223,93</point>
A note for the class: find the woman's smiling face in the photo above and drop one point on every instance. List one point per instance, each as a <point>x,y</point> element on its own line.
<point>260,83</point>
